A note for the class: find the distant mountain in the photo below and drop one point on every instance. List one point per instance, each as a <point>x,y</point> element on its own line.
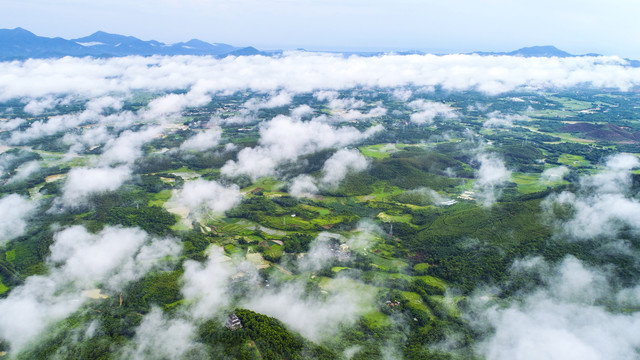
<point>533,51</point>
<point>18,44</point>
<point>540,51</point>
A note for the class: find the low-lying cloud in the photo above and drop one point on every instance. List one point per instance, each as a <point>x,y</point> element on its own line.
<point>427,111</point>
<point>202,197</point>
<point>15,210</point>
<point>285,139</point>
<point>340,164</point>
<point>79,261</point>
<point>83,182</point>
<point>491,176</point>
<point>602,206</point>
<point>566,318</point>
<point>298,72</point>
<point>496,119</point>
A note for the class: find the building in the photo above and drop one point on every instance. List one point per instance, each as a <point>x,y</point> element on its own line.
<point>233,322</point>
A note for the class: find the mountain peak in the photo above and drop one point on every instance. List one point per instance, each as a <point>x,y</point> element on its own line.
<point>540,51</point>
<point>19,43</point>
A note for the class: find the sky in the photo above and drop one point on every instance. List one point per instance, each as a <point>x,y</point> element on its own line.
<point>609,28</point>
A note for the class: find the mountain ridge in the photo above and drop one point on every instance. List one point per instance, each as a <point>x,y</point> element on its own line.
<point>21,44</point>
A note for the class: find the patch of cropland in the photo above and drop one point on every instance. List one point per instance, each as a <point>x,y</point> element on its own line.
<point>255,216</point>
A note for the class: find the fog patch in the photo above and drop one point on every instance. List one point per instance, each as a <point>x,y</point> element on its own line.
<point>303,186</point>
<point>427,111</point>
<point>202,197</point>
<point>491,176</point>
<point>159,337</point>
<point>285,139</point>
<point>38,106</point>
<point>296,72</point>
<point>79,260</point>
<point>203,141</point>
<point>602,206</point>
<point>24,171</point>
<point>15,210</point>
<point>496,119</point>
<point>320,253</point>
<point>315,319</point>
<point>566,318</point>
<point>554,174</point>
<point>206,284</point>
<point>341,163</point>
<point>127,147</point>
<point>83,182</point>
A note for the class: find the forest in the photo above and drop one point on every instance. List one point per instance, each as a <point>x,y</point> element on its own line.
<point>361,223</point>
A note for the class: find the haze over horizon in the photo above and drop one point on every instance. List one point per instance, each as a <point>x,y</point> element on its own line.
<point>353,25</point>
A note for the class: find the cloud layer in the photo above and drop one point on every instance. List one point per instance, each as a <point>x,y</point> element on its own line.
<point>566,318</point>
<point>79,261</point>
<point>299,72</point>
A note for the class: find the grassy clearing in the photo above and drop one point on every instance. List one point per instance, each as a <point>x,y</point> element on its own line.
<point>267,184</point>
<point>378,151</point>
<point>571,104</point>
<point>381,191</point>
<point>567,137</point>
<point>382,151</point>
<point>366,293</point>
<point>527,182</point>
<point>433,281</point>
<point>421,268</point>
<point>415,300</point>
<point>11,255</point>
<point>321,211</point>
<point>376,319</point>
<point>547,113</point>
<point>573,160</point>
<point>404,218</point>
<point>160,198</point>
<point>392,265</point>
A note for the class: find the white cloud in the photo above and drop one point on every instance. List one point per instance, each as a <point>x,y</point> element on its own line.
<point>491,176</point>
<point>340,164</point>
<point>14,209</point>
<point>201,197</point>
<point>301,72</point>
<point>496,119</point>
<point>205,285</point>
<point>24,171</point>
<point>563,319</point>
<point>315,319</point>
<point>38,106</point>
<point>303,186</point>
<point>89,137</point>
<point>126,148</point>
<point>79,260</point>
<point>427,111</point>
<point>84,182</point>
<point>554,174</point>
<point>276,100</point>
<point>301,111</point>
<point>159,337</point>
<point>602,206</point>
<point>203,141</point>
<point>173,104</point>
<point>9,125</point>
<point>285,139</point>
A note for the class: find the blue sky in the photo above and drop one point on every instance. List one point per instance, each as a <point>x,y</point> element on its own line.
<point>607,27</point>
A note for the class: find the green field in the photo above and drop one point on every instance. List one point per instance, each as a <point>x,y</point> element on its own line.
<point>573,160</point>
